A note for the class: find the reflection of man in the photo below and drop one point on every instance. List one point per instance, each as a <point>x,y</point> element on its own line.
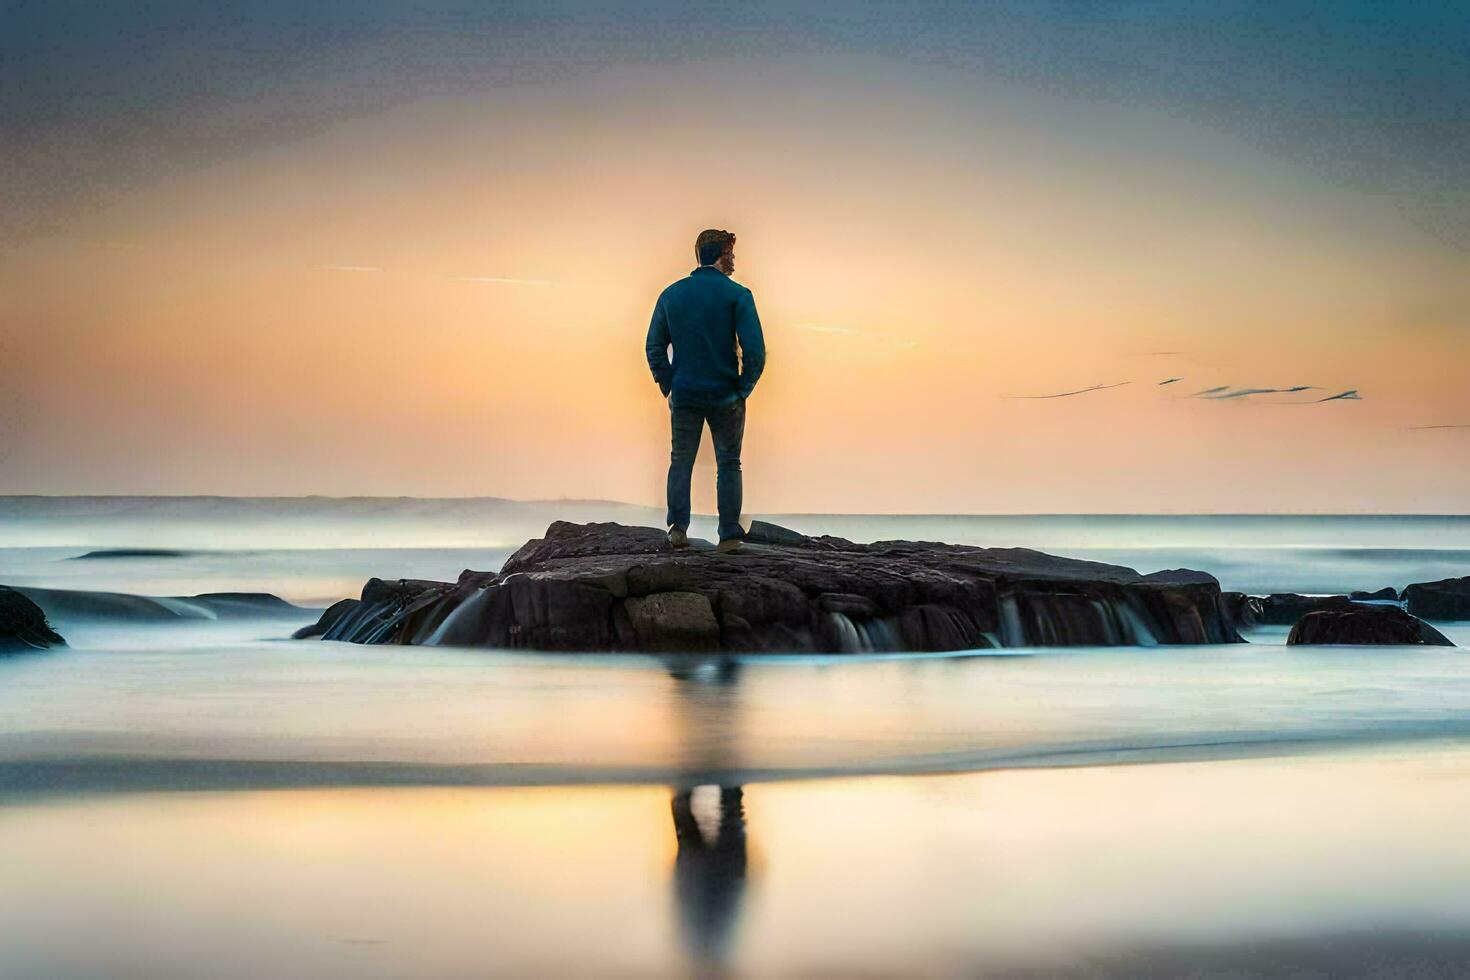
<point>709,871</point>
<point>719,353</point>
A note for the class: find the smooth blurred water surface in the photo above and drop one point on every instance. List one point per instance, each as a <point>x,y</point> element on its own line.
<point>1341,865</point>
<point>277,544</point>
<point>210,798</point>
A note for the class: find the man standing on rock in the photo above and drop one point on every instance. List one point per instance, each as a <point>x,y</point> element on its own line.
<point>719,353</point>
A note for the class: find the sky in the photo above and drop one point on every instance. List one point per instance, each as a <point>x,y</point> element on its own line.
<point>392,248</point>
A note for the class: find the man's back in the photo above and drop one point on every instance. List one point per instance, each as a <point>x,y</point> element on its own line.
<point>704,316</point>
<point>719,354</point>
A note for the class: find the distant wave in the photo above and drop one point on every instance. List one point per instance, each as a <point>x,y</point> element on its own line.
<point>133,553</point>
<point>110,770</point>
<point>71,605</point>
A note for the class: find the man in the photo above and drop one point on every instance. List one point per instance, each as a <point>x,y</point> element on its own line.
<point>718,356</point>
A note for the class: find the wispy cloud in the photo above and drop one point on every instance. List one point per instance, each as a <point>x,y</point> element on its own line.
<point>1247,392</point>
<point>1079,391</point>
<point>1346,396</point>
<point>1169,381</point>
<point>349,268</point>
<point>1457,425</point>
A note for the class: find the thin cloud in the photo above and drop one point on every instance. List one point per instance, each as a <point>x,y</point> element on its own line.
<point>1079,391</point>
<point>350,268</point>
<point>1458,425</point>
<point>1247,392</point>
<point>1350,395</point>
<point>1209,391</point>
<point>1169,381</point>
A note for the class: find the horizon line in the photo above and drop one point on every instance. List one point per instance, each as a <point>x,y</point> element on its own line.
<point>753,515</point>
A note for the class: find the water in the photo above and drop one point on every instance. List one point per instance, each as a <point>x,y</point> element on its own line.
<point>398,536</point>
<point>210,798</point>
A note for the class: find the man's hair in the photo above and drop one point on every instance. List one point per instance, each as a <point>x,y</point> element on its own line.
<point>713,243</point>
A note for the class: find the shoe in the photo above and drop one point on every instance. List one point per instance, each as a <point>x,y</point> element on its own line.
<point>678,539</point>
<point>728,545</point>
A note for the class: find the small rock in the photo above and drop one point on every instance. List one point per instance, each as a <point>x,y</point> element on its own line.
<point>764,532</point>
<point>1285,608</point>
<point>1447,599</point>
<point>1359,624</point>
<point>23,625</point>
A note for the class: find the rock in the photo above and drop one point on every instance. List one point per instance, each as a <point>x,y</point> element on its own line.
<point>674,622</point>
<point>1387,593</point>
<point>23,625</point>
<point>1241,609</point>
<point>1445,600</point>
<point>1179,576</point>
<point>328,619</point>
<point>1284,609</point>
<point>610,587</point>
<point>1362,624</point>
<point>764,532</point>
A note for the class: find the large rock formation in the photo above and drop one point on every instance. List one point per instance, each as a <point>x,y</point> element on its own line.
<point>23,625</point>
<point>611,587</point>
<point>1364,624</point>
<point>1447,599</point>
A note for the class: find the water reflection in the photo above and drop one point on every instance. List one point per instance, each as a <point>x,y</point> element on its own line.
<point>709,817</point>
<point>709,871</point>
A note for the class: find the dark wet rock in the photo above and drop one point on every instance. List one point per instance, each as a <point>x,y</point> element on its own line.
<point>673,622</point>
<point>328,619</point>
<point>1447,599</point>
<point>23,624</point>
<point>1387,593</point>
<point>70,604</point>
<point>1363,624</point>
<point>1241,609</point>
<point>764,532</point>
<point>1180,576</point>
<point>612,587</point>
<point>1285,608</point>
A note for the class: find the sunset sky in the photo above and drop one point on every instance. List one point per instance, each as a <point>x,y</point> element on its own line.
<point>379,248</point>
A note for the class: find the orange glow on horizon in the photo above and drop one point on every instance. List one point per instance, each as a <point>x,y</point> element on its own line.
<point>450,299</point>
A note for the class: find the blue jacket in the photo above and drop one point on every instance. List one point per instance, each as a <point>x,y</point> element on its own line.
<point>704,316</point>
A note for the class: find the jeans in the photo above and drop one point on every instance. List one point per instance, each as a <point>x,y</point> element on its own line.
<point>727,431</point>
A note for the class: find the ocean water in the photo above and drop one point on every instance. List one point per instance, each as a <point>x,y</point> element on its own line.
<point>316,549</point>
<point>211,798</point>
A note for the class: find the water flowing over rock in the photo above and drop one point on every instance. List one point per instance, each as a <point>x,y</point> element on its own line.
<point>23,625</point>
<point>596,587</point>
<point>1364,624</point>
